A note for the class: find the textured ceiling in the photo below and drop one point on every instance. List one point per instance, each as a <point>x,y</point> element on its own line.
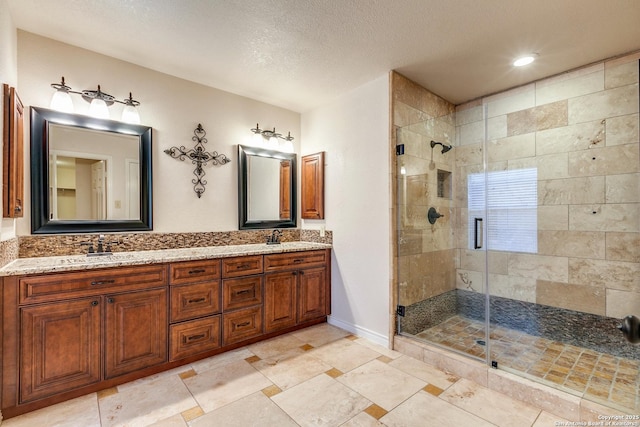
<point>299,54</point>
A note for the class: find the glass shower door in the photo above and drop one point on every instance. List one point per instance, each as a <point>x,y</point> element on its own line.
<point>563,232</point>
<point>439,302</point>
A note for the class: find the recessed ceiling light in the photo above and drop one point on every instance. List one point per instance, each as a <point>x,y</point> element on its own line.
<point>525,60</point>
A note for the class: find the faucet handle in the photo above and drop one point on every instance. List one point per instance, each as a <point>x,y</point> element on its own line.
<point>90,245</point>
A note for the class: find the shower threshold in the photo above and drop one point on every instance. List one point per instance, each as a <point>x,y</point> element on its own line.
<point>611,380</point>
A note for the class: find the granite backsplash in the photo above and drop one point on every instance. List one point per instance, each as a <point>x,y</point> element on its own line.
<point>70,244</point>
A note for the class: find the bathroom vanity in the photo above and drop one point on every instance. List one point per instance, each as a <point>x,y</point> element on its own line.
<point>74,325</point>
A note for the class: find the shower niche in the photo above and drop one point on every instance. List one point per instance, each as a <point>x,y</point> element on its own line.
<point>444,182</point>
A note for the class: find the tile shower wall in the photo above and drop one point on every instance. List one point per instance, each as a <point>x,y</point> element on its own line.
<point>425,254</point>
<point>580,129</point>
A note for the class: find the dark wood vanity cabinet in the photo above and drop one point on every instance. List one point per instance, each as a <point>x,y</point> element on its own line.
<point>70,333</point>
<point>296,288</point>
<point>59,347</point>
<point>76,329</point>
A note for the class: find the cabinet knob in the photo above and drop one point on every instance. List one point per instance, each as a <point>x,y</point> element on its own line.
<point>295,273</point>
<point>111,300</point>
<point>94,303</point>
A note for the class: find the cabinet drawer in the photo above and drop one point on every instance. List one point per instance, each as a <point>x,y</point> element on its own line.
<point>294,260</point>
<point>242,292</point>
<point>197,300</point>
<point>60,286</point>
<point>194,271</point>
<point>193,337</point>
<point>242,266</point>
<point>241,325</point>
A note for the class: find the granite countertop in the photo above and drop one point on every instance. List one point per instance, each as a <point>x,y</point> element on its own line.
<point>82,262</point>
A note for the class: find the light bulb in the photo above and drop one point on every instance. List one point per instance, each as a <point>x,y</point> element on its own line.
<point>130,115</point>
<point>287,147</point>
<point>98,108</point>
<point>61,101</point>
<point>524,60</point>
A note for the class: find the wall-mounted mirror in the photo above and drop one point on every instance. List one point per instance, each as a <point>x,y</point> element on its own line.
<point>266,188</point>
<point>88,174</point>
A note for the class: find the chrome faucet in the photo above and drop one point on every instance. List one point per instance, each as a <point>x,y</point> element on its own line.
<point>274,239</point>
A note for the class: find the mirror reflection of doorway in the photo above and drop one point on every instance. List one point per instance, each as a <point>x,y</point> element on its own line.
<point>79,187</point>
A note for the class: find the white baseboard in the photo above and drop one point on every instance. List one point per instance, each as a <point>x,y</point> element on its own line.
<point>359,331</point>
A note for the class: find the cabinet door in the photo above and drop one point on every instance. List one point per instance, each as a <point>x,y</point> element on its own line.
<point>312,188</point>
<point>312,294</point>
<point>13,155</point>
<point>135,331</point>
<point>59,347</point>
<point>280,300</point>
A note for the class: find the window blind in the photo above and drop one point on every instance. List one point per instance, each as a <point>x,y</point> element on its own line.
<point>511,199</point>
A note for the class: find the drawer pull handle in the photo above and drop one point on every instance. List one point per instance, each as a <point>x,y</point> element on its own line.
<point>244,291</point>
<point>196,300</point>
<point>103,282</point>
<point>297,261</point>
<point>243,324</point>
<point>194,337</point>
<point>239,266</point>
<point>197,271</point>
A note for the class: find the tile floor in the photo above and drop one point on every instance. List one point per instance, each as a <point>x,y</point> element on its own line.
<point>607,379</point>
<point>319,376</point>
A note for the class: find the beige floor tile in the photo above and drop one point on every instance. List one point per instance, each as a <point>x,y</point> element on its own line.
<point>82,411</point>
<point>424,371</point>
<point>320,334</point>
<point>344,354</point>
<point>290,371</point>
<point>384,385</point>
<point>362,420</point>
<point>321,401</point>
<point>146,403</point>
<point>152,378</point>
<point>380,349</point>
<point>275,346</point>
<point>546,419</point>
<point>173,421</point>
<point>253,410</point>
<point>426,410</point>
<point>218,387</point>
<point>220,360</point>
<point>490,405</point>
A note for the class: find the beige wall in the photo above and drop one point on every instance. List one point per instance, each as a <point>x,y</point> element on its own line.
<point>8,75</point>
<point>580,130</point>
<point>173,108</point>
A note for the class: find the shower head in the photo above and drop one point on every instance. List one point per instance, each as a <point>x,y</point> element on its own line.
<point>445,147</point>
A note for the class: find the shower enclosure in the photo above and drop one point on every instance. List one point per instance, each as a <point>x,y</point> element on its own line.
<point>520,245</point>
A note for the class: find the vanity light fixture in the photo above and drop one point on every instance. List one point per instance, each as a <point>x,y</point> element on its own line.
<point>99,102</point>
<point>272,137</point>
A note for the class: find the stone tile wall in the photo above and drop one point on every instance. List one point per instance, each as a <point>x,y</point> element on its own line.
<point>425,255</point>
<point>580,129</point>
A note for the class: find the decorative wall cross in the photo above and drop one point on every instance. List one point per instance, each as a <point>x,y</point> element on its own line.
<point>199,157</point>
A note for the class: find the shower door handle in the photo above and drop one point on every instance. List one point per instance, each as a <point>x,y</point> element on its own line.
<point>478,234</point>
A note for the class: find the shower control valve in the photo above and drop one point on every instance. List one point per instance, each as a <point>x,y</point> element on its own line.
<point>630,327</point>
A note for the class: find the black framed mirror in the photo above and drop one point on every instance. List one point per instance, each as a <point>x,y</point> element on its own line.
<point>89,175</point>
<point>266,188</point>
